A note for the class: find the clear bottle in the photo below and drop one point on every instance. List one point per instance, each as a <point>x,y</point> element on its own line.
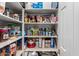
<point>37,43</point>
<point>40,42</point>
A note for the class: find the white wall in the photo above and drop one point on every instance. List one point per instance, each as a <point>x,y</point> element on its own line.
<point>69,28</point>
<point>76,29</point>
<point>66,27</point>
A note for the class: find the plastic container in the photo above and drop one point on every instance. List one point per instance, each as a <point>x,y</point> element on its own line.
<point>31,43</point>
<point>53,18</point>
<point>16,16</point>
<point>3,35</point>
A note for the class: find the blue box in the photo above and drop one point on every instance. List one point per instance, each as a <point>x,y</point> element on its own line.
<point>37,5</point>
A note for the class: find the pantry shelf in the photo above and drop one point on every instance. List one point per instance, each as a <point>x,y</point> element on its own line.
<point>14,5</point>
<point>41,36</point>
<point>41,49</point>
<point>5,18</point>
<point>19,52</point>
<point>41,11</point>
<point>9,41</point>
<point>41,23</point>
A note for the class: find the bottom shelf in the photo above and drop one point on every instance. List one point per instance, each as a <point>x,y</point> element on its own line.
<point>19,52</point>
<point>41,49</point>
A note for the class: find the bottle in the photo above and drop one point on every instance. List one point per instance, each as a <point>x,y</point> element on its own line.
<point>52,44</point>
<point>48,43</point>
<point>44,31</point>
<point>43,43</point>
<point>41,31</point>
<point>25,43</point>
<point>40,43</point>
<point>50,33</point>
<point>30,32</point>
<point>37,43</point>
<point>47,32</point>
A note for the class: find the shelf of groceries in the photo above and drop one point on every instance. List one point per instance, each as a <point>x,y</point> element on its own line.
<point>41,19</point>
<point>40,44</point>
<point>10,29</point>
<point>41,29</point>
<point>36,37</point>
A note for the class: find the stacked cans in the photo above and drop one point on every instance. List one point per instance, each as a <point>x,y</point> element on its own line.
<point>42,43</point>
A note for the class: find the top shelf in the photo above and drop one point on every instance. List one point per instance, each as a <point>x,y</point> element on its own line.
<point>14,5</point>
<point>41,11</point>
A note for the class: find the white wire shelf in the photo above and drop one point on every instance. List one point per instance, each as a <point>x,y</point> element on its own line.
<point>6,19</point>
<point>41,11</point>
<point>41,36</point>
<point>41,49</point>
<point>41,23</point>
<point>9,41</point>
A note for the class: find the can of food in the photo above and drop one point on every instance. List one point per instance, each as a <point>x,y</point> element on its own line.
<point>47,43</point>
